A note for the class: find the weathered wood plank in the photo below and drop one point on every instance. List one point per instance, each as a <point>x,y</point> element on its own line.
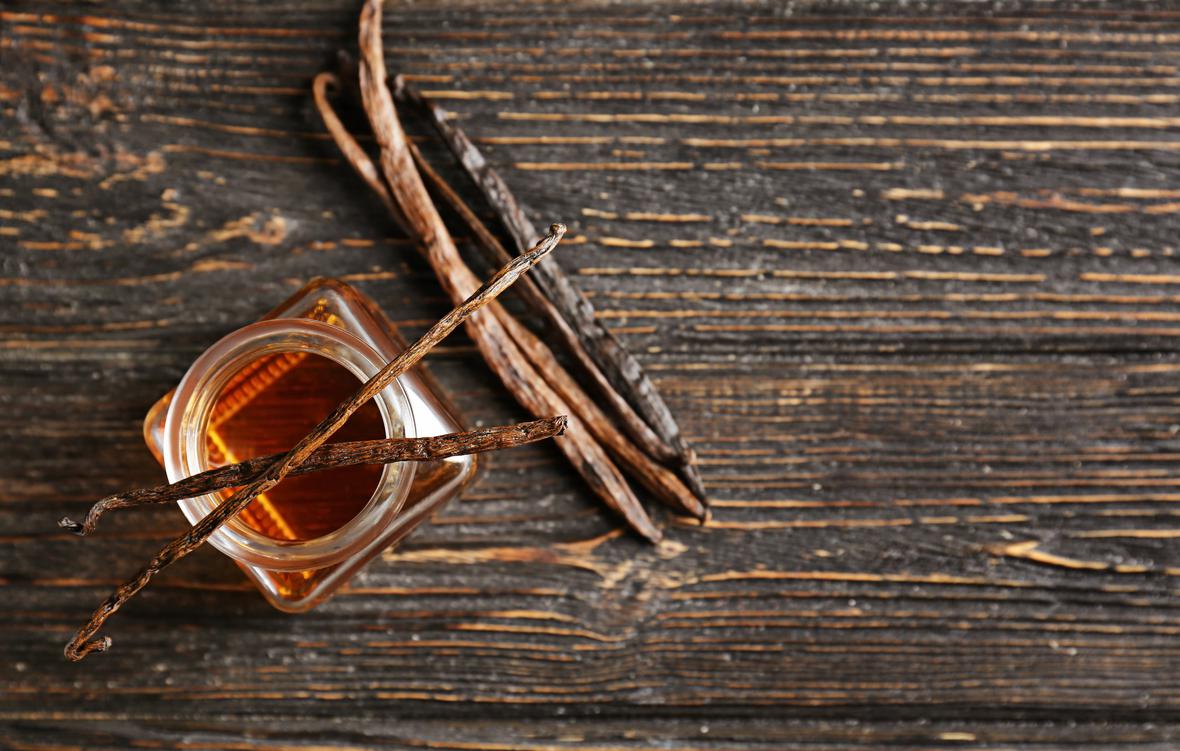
<point>603,733</point>
<point>908,277</point>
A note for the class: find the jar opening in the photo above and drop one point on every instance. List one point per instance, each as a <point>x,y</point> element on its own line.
<point>265,408</point>
<point>220,386</point>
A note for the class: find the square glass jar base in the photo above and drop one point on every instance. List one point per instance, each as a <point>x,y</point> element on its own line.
<point>436,482</point>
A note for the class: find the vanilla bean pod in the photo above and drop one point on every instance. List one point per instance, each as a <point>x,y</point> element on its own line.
<point>623,384</point>
<point>662,482</point>
<point>83,642</point>
<point>328,456</point>
<point>353,152</point>
<point>612,359</point>
<point>505,358</point>
<point>498,348</point>
<point>494,251</point>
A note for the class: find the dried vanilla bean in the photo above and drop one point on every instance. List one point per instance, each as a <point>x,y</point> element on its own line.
<point>611,358</point>
<point>623,384</point>
<point>353,152</point>
<point>639,430</point>
<point>664,484</point>
<point>513,366</point>
<point>498,348</point>
<point>328,456</point>
<point>83,642</point>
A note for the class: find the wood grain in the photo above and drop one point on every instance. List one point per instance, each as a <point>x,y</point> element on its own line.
<point>908,277</point>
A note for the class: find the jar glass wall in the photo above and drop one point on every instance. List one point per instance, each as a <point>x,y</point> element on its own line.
<point>326,319</point>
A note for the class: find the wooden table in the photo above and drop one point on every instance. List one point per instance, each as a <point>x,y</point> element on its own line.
<point>909,276</point>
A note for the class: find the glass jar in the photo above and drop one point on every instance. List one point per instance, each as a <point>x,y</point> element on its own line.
<point>329,319</point>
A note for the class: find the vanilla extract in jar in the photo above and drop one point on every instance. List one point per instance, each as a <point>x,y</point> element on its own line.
<point>266,408</point>
<point>261,389</point>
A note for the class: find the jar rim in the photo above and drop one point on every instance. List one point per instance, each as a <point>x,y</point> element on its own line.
<point>187,419</point>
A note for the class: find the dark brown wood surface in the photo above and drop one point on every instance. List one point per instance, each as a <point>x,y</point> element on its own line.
<point>908,275</point>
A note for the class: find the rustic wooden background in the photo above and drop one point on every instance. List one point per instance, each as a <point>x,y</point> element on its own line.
<point>909,276</point>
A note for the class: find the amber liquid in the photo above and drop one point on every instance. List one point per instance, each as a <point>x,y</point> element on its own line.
<point>266,408</point>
